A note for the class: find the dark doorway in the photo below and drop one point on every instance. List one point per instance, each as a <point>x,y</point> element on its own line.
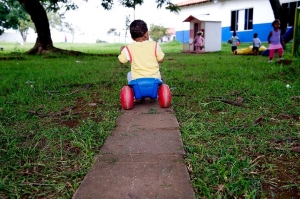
<point>196,29</point>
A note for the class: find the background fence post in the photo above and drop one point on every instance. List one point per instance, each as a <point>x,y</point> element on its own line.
<point>296,41</point>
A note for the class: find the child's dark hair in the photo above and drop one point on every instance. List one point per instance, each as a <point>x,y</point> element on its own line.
<point>138,28</point>
<point>255,35</point>
<point>234,33</point>
<point>275,21</point>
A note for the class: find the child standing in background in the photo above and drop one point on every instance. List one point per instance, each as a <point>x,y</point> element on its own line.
<point>234,42</point>
<point>275,40</point>
<point>198,41</point>
<point>256,44</point>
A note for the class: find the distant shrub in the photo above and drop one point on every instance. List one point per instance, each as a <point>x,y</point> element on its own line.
<point>100,41</point>
<point>172,43</point>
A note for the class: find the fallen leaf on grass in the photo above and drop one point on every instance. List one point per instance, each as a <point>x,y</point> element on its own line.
<point>65,111</point>
<point>220,187</point>
<point>85,87</point>
<point>286,116</point>
<point>296,149</point>
<point>189,167</point>
<point>258,120</point>
<point>288,139</point>
<point>289,116</point>
<point>239,100</point>
<point>232,102</point>
<point>295,97</point>
<point>257,158</point>
<point>238,92</point>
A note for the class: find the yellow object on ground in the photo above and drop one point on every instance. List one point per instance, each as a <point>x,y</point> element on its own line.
<point>248,50</point>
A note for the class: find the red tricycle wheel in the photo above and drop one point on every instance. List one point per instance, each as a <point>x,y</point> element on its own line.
<point>127,97</point>
<point>164,96</point>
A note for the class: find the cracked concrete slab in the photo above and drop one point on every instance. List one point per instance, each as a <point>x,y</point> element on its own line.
<point>144,142</point>
<point>165,180</point>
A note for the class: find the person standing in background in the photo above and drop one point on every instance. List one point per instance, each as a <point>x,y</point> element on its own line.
<point>256,44</point>
<point>275,41</point>
<point>198,41</point>
<point>234,41</point>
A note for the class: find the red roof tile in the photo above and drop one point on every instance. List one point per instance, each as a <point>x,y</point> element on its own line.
<point>171,31</point>
<point>191,2</point>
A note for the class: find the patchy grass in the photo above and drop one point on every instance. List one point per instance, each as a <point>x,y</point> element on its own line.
<point>239,122</point>
<point>55,116</point>
<point>93,48</point>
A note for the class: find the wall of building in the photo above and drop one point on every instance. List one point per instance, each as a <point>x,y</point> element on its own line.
<point>262,17</point>
<point>213,37</point>
<point>58,37</point>
<point>15,36</point>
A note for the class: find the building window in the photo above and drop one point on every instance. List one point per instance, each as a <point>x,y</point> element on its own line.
<point>292,8</point>
<point>248,19</point>
<point>234,20</point>
<point>242,20</point>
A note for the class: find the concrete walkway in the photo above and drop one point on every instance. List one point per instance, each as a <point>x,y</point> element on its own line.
<point>143,158</point>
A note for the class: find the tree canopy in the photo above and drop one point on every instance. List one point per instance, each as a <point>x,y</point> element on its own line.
<point>12,15</point>
<point>157,32</point>
<point>108,4</point>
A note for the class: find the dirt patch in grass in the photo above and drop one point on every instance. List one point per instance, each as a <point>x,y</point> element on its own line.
<point>82,110</point>
<point>11,58</point>
<point>71,116</point>
<point>68,146</point>
<point>71,124</point>
<point>282,179</point>
<point>285,62</point>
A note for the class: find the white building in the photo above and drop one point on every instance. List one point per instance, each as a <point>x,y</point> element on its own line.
<point>170,35</point>
<point>246,17</point>
<point>15,36</point>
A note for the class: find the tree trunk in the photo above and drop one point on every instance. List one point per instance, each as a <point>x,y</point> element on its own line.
<point>276,7</point>
<point>24,34</point>
<point>280,13</point>
<point>39,17</point>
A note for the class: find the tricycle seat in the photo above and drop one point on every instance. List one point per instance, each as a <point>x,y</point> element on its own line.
<point>145,87</point>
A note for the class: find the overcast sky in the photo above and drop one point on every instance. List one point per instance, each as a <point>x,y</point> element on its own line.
<point>92,21</point>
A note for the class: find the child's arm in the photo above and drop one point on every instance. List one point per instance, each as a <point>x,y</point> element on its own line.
<point>122,57</point>
<point>122,47</point>
<point>161,61</point>
<point>269,37</point>
<point>159,54</point>
<point>193,41</point>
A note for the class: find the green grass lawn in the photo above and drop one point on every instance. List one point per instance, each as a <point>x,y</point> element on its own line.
<point>238,120</point>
